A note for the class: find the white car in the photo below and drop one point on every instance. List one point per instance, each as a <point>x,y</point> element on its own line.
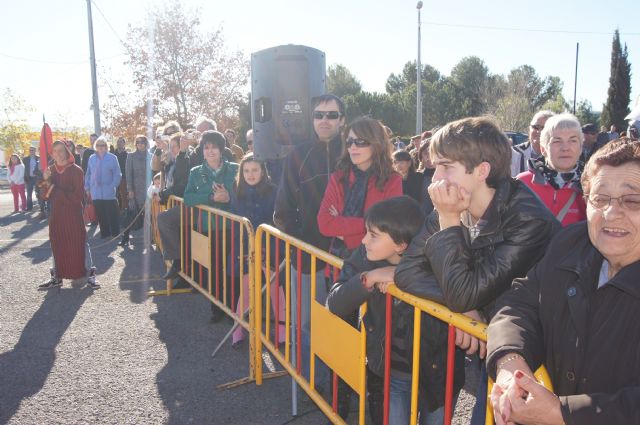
<point>3,173</point>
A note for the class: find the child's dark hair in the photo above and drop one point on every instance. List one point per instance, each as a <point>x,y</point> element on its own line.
<point>399,217</point>
<point>263,187</point>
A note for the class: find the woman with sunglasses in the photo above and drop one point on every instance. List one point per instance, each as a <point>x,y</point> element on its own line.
<point>364,175</point>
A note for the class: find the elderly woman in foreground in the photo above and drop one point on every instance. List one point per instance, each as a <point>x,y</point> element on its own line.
<point>578,311</point>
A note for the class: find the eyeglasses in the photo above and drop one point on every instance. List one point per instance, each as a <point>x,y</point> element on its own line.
<point>101,146</point>
<point>360,143</point>
<point>537,127</point>
<point>330,115</point>
<point>629,202</point>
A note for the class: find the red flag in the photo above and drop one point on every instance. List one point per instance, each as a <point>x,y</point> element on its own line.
<point>46,146</point>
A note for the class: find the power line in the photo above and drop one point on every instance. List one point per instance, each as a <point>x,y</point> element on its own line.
<point>109,24</point>
<point>42,60</point>
<point>481,27</point>
<point>57,62</point>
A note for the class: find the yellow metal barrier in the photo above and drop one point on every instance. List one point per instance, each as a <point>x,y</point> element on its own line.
<point>216,247</point>
<point>456,320</point>
<point>340,346</point>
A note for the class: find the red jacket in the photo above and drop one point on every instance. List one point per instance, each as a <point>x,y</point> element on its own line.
<point>556,199</point>
<point>352,229</point>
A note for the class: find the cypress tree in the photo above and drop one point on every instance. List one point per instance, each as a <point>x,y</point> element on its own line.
<point>617,105</point>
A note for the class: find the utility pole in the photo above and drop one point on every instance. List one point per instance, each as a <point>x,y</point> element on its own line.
<point>94,81</point>
<point>419,79</point>
<point>575,81</point>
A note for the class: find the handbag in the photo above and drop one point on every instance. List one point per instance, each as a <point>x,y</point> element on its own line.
<point>89,212</point>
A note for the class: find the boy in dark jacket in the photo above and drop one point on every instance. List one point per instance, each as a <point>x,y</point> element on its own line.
<point>391,224</point>
<point>487,228</point>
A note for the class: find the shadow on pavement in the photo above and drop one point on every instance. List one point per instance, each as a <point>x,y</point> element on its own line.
<point>39,254</point>
<point>24,369</point>
<point>142,271</point>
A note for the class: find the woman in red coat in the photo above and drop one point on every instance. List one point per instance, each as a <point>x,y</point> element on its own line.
<point>66,225</point>
<point>364,175</point>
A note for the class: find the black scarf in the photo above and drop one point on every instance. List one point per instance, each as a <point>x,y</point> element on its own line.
<point>573,177</point>
<point>354,198</point>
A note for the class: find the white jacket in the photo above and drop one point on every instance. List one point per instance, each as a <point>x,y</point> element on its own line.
<point>18,174</point>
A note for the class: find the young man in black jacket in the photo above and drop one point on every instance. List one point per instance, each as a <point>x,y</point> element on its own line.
<point>487,228</point>
<point>305,176</point>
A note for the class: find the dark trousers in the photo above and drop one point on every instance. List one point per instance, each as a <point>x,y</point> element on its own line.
<point>31,185</point>
<point>108,216</point>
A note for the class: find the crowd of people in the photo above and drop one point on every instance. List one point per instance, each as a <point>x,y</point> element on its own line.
<point>541,240</point>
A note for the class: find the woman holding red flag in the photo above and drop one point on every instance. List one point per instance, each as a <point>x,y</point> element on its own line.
<point>66,226</point>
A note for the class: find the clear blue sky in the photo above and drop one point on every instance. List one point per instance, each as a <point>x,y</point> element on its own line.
<point>44,56</point>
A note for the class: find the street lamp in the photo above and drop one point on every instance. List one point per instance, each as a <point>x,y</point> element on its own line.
<point>419,79</point>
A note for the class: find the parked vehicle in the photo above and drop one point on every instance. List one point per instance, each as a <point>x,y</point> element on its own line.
<point>516,137</point>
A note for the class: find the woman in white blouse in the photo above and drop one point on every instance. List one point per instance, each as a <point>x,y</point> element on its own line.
<point>16,180</point>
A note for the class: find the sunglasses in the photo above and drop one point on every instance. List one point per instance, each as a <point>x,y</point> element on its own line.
<point>360,143</point>
<point>537,127</point>
<point>330,115</point>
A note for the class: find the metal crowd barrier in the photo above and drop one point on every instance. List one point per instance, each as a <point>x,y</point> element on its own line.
<point>157,208</point>
<point>339,345</point>
<point>208,236</point>
<point>216,253</point>
<point>454,320</point>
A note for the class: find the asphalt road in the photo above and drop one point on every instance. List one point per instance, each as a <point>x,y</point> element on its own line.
<point>115,355</point>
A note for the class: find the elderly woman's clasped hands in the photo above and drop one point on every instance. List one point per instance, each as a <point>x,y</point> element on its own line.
<point>517,397</point>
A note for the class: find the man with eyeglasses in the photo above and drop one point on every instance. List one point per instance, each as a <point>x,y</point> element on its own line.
<point>305,176</point>
<point>531,148</point>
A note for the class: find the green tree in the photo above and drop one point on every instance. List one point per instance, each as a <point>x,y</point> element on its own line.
<point>341,82</point>
<point>618,96</point>
<point>585,113</point>
<point>398,83</point>
<point>472,77</point>
<point>13,122</point>
<point>557,105</point>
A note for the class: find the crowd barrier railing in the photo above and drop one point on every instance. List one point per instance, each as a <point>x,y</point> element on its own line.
<point>156,209</point>
<point>339,345</point>
<point>216,247</point>
<point>454,321</point>
<point>217,259</point>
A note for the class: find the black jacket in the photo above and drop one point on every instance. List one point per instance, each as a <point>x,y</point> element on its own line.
<point>587,337</point>
<point>412,186</point>
<point>304,180</point>
<point>36,171</point>
<point>344,299</point>
<point>85,158</point>
<point>446,267</point>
